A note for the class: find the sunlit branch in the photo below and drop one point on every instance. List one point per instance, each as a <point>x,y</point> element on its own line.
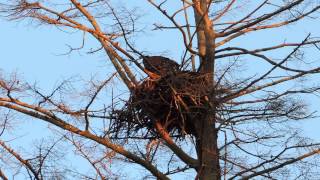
<point>113,55</point>
<point>103,141</point>
<point>2,175</point>
<point>224,11</point>
<point>176,25</point>
<point>244,19</point>
<point>247,90</point>
<point>24,162</point>
<point>293,160</point>
<point>86,156</point>
<point>262,18</point>
<point>98,89</point>
<point>179,152</point>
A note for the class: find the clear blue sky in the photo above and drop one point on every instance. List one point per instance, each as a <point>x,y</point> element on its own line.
<point>32,52</point>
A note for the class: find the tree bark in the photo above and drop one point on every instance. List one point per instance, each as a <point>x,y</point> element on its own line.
<point>207,134</point>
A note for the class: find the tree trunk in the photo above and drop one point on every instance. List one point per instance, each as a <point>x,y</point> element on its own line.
<point>207,150</point>
<point>207,134</point>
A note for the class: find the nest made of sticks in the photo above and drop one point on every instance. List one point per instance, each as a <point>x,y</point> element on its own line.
<point>178,101</point>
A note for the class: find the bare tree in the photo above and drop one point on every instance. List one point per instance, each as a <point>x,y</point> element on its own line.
<point>203,117</point>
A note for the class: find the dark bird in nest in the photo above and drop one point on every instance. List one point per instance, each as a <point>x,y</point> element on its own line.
<point>158,66</point>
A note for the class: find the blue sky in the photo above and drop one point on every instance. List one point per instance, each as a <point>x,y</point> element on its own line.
<point>32,52</point>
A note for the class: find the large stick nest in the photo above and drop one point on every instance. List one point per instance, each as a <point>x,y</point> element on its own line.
<point>178,101</point>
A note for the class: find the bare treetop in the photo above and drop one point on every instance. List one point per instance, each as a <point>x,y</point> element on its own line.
<point>226,108</point>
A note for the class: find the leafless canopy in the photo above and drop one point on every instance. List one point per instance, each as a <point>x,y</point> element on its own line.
<point>230,111</point>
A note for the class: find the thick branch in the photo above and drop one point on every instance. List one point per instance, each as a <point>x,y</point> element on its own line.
<point>103,141</point>
<point>262,18</point>
<point>24,162</point>
<point>317,151</point>
<point>177,150</point>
